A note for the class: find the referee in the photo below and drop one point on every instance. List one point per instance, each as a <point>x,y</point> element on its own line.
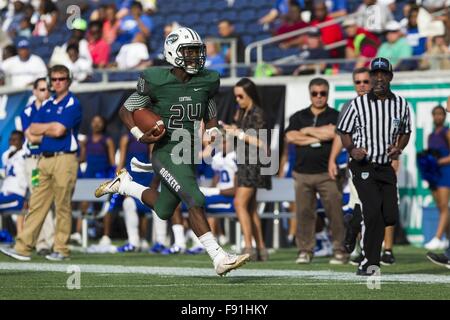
<point>375,129</point>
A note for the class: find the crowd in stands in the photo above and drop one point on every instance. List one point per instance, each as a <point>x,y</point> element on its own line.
<point>90,36</point>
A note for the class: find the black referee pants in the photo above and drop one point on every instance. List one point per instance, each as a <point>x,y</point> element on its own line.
<point>377,190</point>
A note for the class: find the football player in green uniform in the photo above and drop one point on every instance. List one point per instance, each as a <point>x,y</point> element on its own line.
<point>182,96</point>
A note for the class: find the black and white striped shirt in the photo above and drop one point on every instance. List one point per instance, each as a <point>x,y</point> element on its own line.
<point>376,124</point>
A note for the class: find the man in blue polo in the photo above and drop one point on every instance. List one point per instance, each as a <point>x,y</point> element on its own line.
<point>55,128</point>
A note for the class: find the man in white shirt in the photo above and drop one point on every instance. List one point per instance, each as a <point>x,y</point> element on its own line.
<point>21,70</point>
<point>14,187</point>
<point>134,54</point>
<point>81,68</point>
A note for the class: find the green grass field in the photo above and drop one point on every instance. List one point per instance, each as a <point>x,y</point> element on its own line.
<point>183,277</point>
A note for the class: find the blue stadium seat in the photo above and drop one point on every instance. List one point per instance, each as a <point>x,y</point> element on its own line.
<point>228,15</point>
<point>210,17</point>
<point>202,30</point>
<point>247,39</point>
<point>239,27</point>
<point>220,5</point>
<point>253,29</point>
<point>191,19</point>
<point>241,4</point>
<point>247,15</point>
<point>158,19</point>
<point>173,17</point>
<point>202,6</point>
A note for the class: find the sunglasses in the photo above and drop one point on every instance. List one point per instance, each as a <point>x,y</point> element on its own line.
<point>362,81</point>
<point>43,89</point>
<point>239,96</point>
<point>58,79</point>
<point>322,93</point>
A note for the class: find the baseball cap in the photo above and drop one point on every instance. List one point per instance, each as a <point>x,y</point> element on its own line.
<point>380,63</point>
<point>23,43</point>
<point>349,22</point>
<point>393,26</point>
<point>315,32</point>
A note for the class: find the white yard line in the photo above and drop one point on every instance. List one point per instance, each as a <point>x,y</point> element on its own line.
<point>326,275</point>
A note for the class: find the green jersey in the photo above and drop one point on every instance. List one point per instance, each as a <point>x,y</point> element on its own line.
<point>180,104</point>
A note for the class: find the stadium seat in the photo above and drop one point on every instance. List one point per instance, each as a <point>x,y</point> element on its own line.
<point>220,5</point>
<point>247,15</point>
<point>201,30</point>
<point>210,17</point>
<point>239,27</point>
<point>228,15</point>
<point>202,6</point>
<point>191,19</point>
<point>241,5</point>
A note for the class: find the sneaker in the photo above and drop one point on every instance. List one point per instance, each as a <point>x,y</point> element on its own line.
<point>172,250</point>
<point>195,250</point>
<point>356,261</point>
<point>127,247</point>
<point>14,254</point>
<point>105,241</point>
<point>351,233</point>
<point>43,252</point>
<point>387,258</point>
<point>339,258</point>
<point>76,238</point>
<point>324,248</point>
<point>230,262</point>
<point>113,186</point>
<point>56,256</point>
<point>157,248</point>
<point>439,259</point>
<point>144,245</point>
<point>304,258</point>
<point>436,244</point>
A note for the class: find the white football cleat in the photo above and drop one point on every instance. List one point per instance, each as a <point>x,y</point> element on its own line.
<point>231,262</point>
<point>113,186</point>
<point>436,244</point>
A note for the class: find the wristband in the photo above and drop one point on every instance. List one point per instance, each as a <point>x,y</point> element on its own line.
<point>136,132</point>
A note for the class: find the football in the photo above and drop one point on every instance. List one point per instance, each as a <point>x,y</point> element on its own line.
<point>146,119</point>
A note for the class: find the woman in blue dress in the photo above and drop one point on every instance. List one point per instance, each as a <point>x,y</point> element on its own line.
<point>98,152</point>
<point>439,142</point>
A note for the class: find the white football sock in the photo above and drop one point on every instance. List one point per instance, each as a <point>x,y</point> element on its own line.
<point>131,221</point>
<point>132,189</point>
<point>160,228</point>
<point>178,234</point>
<point>215,252</point>
<point>195,241</point>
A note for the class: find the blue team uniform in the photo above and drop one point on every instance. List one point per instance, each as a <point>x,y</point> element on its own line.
<point>97,159</point>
